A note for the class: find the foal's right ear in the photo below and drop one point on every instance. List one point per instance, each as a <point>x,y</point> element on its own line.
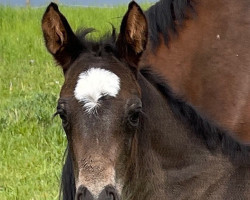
<point>133,36</point>
<point>59,38</point>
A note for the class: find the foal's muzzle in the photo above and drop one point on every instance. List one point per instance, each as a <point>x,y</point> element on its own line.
<point>108,193</point>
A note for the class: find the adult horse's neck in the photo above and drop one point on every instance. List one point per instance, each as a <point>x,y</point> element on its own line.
<point>171,159</point>
<point>208,60</point>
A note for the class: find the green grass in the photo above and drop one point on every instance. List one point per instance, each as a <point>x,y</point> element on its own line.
<point>31,143</point>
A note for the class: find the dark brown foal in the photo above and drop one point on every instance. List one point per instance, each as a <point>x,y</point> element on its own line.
<point>129,137</point>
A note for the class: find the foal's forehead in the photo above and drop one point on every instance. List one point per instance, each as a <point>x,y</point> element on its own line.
<point>94,84</point>
<point>90,78</point>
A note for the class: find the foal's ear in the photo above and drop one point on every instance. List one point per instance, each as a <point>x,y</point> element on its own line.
<point>133,35</point>
<point>60,40</point>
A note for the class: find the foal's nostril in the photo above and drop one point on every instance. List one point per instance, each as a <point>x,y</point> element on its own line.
<point>109,193</point>
<point>83,194</point>
<point>111,196</point>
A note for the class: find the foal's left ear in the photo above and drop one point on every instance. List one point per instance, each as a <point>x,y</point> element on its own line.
<point>133,36</point>
<point>60,40</point>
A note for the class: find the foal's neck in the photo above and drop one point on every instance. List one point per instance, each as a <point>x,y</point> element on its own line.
<point>177,157</point>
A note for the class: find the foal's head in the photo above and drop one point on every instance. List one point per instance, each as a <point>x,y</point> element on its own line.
<point>100,101</point>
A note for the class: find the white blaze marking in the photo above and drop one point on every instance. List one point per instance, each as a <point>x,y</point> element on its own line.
<point>94,84</point>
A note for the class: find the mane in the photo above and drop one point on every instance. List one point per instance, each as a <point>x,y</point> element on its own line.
<point>213,136</point>
<point>165,16</point>
<point>104,45</point>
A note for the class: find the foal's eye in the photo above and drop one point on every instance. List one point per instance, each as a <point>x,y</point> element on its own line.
<point>62,113</point>
<point>134,117</point>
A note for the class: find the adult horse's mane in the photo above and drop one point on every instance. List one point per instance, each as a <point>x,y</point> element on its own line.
<point>165,16</point>
<point>213,136</point>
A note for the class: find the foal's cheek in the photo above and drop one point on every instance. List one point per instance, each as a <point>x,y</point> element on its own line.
<point>130,135</point>
<point>68,132</point>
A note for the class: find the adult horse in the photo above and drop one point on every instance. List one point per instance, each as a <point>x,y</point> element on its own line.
<point>129,136</point>
<point>202,47</point>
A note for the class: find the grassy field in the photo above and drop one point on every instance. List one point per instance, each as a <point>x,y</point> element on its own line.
<point>31,143</point>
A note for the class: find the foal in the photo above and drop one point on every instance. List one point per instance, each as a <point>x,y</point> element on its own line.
<point>129,136</point>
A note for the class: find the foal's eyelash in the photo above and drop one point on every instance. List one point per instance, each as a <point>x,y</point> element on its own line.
<point>55,114</point>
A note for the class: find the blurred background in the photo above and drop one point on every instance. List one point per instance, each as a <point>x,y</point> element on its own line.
<point>69,2</point>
